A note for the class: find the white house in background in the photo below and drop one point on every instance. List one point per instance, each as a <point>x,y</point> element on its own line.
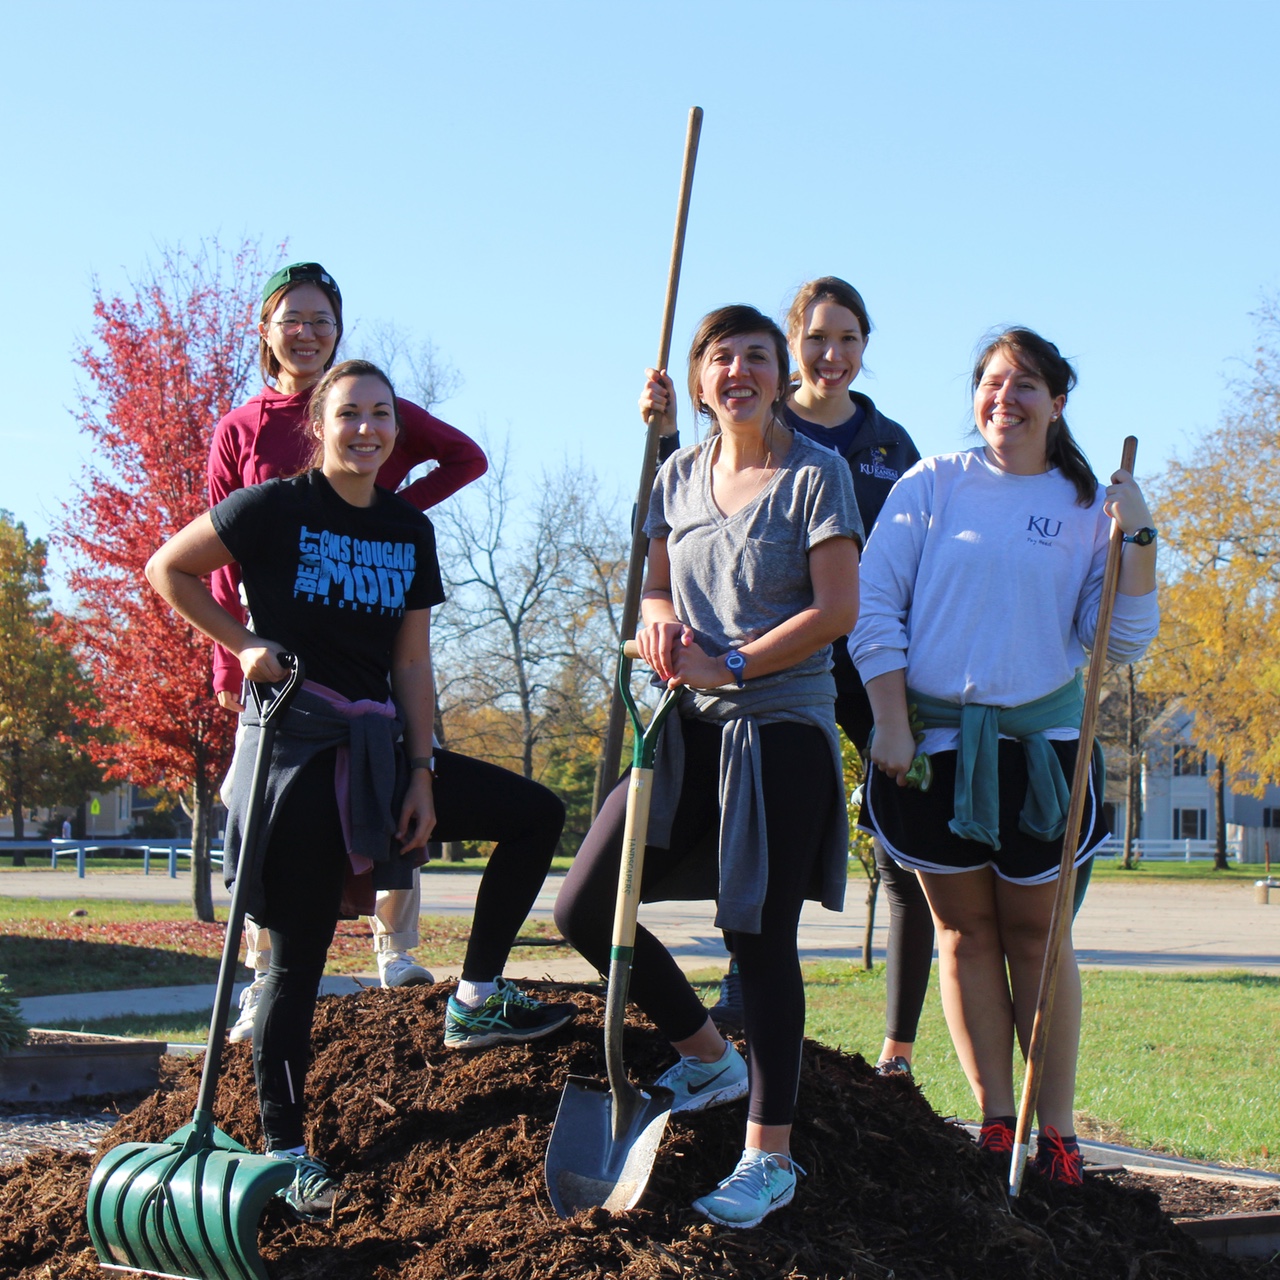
<point>1178,791</point>
<point>105,813</point>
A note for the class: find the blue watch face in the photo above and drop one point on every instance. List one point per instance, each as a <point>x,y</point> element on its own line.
<point>735,661</point>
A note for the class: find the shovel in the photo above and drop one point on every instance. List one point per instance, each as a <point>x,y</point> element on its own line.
<point>1060,920</point>
<point>189,1207</point>
<point>606,1135</point>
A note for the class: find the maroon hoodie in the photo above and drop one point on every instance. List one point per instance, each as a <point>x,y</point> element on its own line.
<point>266,437</point>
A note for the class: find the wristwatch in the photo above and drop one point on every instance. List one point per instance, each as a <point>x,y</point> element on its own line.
<point>737,664</point>
<point>1141,537</point>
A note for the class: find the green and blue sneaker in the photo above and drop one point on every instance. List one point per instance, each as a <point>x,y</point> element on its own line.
<point>760,1183</point>
<point>699,1085</point>
<point>506,1016</point>
<point>312,1192</point>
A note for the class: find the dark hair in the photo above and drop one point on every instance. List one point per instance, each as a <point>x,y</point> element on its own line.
<point>320,393</point>
<point>1038,356</point>
<point>267,361</point>
<point>730,322</point>
<point>826,289</point>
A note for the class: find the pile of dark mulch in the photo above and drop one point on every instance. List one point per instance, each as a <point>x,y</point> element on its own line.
<point>443,1154</point>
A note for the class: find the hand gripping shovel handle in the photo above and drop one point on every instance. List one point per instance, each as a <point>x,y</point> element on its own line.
<point>1060,920</point>
<point>271,704</point>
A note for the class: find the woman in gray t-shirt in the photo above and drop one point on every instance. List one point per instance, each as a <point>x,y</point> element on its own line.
<point>753,571</point>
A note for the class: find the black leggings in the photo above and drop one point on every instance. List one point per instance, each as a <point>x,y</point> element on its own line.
<point>909,949</point>
<point>303,874</point>
<point>800,788</point>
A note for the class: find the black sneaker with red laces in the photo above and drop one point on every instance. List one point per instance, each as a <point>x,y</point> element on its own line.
<point>996,1135</point>
<point>1058,1158</point>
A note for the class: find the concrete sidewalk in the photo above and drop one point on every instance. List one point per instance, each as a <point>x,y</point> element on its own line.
<point>1157,928</point>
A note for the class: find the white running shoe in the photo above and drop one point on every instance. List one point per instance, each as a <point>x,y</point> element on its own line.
<point>399,970</point>
<point>243,1029</point>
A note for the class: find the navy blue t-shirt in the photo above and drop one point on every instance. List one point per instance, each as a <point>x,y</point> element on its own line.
<point>329,581</point>
<point>839,438</point>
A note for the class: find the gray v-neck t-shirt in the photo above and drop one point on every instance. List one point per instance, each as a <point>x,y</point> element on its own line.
<point>735,577</point>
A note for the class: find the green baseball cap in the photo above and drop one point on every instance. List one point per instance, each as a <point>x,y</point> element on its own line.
<point>297,272</point>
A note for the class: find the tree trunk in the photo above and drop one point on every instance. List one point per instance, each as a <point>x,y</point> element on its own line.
<point>15,800</point>
<point>873,891</point>
<point>201,885</point>
<point>1133,776</point>
<point>1220,818</point>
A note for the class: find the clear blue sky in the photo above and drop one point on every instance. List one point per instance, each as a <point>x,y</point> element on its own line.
<point>501,178</point>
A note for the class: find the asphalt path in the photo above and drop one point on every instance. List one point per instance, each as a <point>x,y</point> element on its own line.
<point>1153,927</point>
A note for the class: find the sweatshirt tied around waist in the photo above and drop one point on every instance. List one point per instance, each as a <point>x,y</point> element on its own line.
<point>977,793</point>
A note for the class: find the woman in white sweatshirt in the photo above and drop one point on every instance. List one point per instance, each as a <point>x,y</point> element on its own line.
<point>980,589</point>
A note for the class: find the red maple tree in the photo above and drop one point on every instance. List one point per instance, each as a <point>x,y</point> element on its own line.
<point>164,366</point>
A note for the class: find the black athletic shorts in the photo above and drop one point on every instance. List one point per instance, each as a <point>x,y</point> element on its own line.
<point>912,824</point>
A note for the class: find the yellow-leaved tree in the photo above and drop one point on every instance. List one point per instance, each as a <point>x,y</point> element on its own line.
<point>1219,516</point>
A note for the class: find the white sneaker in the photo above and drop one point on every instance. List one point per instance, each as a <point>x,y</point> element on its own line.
<point>243,1029</point>
<point>399,970</point>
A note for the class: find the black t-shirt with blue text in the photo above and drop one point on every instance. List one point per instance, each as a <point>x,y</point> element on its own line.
<point>329,581</point>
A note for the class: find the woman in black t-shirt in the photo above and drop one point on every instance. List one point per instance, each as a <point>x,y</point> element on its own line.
<point>345,575</point>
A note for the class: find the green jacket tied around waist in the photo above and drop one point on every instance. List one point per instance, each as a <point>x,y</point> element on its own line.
<point>977,797</point>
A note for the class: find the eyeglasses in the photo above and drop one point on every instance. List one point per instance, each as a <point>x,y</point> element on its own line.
<point>321,328</point>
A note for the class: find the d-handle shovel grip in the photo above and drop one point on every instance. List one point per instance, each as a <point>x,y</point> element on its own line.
<point>279,698</point>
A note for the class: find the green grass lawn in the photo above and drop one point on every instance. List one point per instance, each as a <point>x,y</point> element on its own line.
<point>1172,872</point>
<point>45,949</point>
<point>1184,1063</point>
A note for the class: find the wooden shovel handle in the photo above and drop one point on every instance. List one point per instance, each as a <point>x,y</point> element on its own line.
<point>1060,921</point>
<point>612,753</point>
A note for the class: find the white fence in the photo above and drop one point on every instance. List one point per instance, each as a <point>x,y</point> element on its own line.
<point>1172,850</point>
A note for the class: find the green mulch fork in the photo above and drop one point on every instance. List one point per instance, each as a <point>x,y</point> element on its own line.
<point>189,1207</point>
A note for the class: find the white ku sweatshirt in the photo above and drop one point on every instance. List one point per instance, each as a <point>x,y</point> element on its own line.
<point>985,586</point>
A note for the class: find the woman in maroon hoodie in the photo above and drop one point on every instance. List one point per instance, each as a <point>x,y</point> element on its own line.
<point>266,437</point>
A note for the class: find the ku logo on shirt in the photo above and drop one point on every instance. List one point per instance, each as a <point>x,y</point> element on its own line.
<point>352,572</point>
<point>1044,529</point>
<point>879,466</point>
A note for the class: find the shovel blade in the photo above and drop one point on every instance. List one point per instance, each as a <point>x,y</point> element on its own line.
<point>603,1145</point>
<point>167,1210</point>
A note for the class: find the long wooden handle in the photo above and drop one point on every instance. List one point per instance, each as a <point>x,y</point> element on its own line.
<point>612,752</point>
<point>1060,921</point>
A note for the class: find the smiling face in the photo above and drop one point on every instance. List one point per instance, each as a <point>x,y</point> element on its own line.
<point>358,432</point>
<point>828,349</point>
<point>739,379</point>
<point>302,355</point>
<point>1013,410</point>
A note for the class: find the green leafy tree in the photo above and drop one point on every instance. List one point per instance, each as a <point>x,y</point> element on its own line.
<point>1219,517</point>
<point>42,755</point>
<point>860,844</point>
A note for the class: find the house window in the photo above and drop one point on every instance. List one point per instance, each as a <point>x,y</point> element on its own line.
<point>1271,817</point>
<point>1191,824</point>
<point>1189,764</point>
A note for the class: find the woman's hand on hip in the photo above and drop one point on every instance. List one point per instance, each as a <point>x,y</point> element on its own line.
<point>418,813</point>
<point>658,401</point>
